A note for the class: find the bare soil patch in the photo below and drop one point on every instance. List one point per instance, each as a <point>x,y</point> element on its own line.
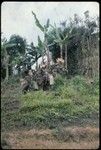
<point>75,138</point>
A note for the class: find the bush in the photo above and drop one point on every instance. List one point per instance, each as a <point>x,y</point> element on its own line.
<point>59,81</point>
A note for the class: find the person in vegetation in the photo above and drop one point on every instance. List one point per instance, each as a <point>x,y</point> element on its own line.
<point>25,81</point>
<point>35,83</point>
<point>45,81</point>
<point>30,73</point>
<point>60,61</point>
<point>51,79</point>
<point>38,78</point>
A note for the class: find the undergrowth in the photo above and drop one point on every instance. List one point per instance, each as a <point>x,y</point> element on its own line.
<point>70,99</point>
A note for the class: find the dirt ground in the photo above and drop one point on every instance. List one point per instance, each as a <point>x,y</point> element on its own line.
<point>81,138</point>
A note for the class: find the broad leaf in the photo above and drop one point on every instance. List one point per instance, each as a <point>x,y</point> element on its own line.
<point>9,45</point>
<point>47,24</point>
<point>37,22</point>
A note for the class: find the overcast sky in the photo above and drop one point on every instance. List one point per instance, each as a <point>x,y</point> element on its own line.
<point>16,17</point>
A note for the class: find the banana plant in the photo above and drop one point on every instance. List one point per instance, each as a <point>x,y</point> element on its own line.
<point>6,56</point>
<point>62,40</point>
<point>44,29</point>
<point>41,48</point>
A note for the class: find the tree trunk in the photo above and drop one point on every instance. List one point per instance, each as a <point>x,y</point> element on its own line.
<point>7,72</point>
<point>6,64</point>
<point>61,51</point>
<point>37,65</point>
<point>66,56</point>
<point>42,58</point>
<point>10,70</point>
<point>19,70</point>
<point>48,59</point>
<point>7,68</point>
<point>83,60</point>
<point>47,52</point>
<point>36,62</point>
<point>88,47</point>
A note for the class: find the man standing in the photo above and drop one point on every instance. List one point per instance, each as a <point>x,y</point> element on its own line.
<point>51,79</point>
<point>45,81</point>
<point>25,81</point>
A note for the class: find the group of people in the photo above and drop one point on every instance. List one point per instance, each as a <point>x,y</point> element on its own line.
<point>35,80</point>
<point>43,78</point>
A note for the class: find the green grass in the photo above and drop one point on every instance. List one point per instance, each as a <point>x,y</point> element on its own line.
<point>70,99</point>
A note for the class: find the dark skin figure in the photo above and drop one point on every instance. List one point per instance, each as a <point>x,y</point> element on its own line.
<point>27,80</point>
<point>45,83</point>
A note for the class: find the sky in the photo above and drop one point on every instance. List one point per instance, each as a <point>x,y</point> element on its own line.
<point>16,17</point>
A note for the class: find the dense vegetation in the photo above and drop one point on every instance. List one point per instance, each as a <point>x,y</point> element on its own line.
<point>75,40</point>
<point>72,101</point>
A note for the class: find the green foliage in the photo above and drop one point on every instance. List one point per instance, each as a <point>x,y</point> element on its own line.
<point>71,99</point>
<point>47,24</point>
<point>43,29</point>
<point>80,42</point>
<point>12,52</point>
<point>44,45</point>
<point>37,22</point>
<point>59,81</point>
<point>20,45</point>
<point>40,46</point>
